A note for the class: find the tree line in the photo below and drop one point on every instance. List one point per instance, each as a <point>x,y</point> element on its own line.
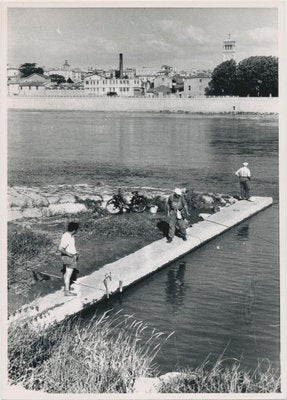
<point>28,69</point>
<point>253,76</point>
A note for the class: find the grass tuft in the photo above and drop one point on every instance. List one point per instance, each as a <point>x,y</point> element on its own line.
<point>223,378</point>
<point>76,357</point>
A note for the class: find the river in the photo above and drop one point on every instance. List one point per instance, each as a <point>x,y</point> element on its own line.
<point>221,298</point>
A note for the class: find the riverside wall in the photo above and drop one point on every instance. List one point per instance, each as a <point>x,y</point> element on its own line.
<point>191,105</point>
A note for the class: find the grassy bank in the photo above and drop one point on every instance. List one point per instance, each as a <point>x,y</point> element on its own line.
<point>108,354</point>
<point>224,378</point>
<point>98,357</point>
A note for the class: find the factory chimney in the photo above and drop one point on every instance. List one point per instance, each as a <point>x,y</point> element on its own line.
<point>121,71</point>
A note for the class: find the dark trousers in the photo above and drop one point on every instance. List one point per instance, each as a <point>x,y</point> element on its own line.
<point>176,223</point>
<point>244,188</point>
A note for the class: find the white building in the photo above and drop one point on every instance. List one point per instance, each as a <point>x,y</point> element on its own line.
<point>75,74</point>
<point>12,72</point>
<point>99,86</point>
<point>147,73</point>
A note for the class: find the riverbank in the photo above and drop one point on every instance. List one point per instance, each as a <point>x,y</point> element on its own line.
<point>268,105</point>
<point>110,355</point>
<point>33,238</point>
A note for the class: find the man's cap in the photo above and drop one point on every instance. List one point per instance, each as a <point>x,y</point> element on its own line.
<point>245,164</point>
<point>177,191</point>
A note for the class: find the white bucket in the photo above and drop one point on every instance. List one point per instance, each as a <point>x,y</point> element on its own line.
<point>153,209</point>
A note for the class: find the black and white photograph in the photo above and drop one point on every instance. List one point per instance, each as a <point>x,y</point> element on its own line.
<point>143,206</point>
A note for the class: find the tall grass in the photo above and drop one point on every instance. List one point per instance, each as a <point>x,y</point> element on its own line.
<point>223,378</point>
<point>95,357</point>
<point>23,245</point>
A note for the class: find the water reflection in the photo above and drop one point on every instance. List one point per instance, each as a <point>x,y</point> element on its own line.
<point>243,232</point>
<point>175,286</point>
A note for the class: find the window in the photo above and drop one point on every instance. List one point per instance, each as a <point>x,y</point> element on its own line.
<point>37,87</point>
<point>128,89</point>
<point>104,89</point>
<point>189,87</point>
<point>87,82</point>
<point>200,80</point>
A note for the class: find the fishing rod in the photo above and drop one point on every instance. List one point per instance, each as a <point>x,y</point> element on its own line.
<point>59,277</point>
<point>227,226</point>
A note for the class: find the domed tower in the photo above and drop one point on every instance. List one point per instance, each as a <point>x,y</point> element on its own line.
<point>228,52</point>
<point>66,64</point>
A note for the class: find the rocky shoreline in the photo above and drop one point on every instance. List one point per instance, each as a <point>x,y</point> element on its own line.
<point>47,201</point>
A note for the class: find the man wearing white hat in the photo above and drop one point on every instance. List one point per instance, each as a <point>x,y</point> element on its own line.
<point>176,206</point>
<point>244,179</point>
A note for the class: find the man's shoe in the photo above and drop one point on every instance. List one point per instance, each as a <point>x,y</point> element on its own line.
<point>68,293</point>
<point>169,240</point>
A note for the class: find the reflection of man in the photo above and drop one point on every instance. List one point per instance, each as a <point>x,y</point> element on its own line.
<point>176,210</point>
<point>244,179</point>
<point>175,285</point>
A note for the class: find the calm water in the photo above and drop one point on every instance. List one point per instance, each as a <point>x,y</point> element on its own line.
<point>225,295</point>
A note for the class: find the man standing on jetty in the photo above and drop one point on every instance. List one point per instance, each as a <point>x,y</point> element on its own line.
<point>244,179</point>
<point>69,255</point>
<point>176,207</point>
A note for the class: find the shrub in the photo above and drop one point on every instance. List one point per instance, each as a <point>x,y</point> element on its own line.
<point>25,242</point>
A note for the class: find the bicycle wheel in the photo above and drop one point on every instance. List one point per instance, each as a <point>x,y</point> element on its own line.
<point>140,205</point>
<point>112,207</point>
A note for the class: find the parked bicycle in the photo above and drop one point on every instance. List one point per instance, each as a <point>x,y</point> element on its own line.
<point>117,204</point>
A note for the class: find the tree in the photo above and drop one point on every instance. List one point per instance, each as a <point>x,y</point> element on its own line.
<point>57,78</point>
<point>258,76</point>
<point>223,81</point>
<point>29,69</point>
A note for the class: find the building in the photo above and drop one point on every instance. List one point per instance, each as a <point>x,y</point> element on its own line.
<point>12,72</point>
<point>74,74</point>
<point>228,51</point>
<point>162,81</point>
<point>146,73</point>
<point>31,85</point>
<point>195,85</point>
<point>130,73</point>
<point>99,86</point>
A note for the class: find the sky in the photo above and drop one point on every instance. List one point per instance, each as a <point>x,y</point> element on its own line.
<point>184,38</point>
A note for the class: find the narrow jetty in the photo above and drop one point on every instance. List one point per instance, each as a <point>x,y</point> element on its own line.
<point>117,276</point>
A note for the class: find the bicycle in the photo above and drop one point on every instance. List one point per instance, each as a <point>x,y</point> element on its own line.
<point>117,204</point>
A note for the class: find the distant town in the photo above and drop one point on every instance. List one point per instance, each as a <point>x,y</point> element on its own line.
<point>121,81</point>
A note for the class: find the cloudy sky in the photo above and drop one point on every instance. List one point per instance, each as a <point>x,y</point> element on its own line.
<point>180,37</point>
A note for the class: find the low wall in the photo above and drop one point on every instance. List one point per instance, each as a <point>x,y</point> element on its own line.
<point>192,105</point>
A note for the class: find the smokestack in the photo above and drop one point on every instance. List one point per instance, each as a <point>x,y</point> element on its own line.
<point>121,66</point>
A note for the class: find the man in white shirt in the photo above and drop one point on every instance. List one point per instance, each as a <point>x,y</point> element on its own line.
<point>69,255</point>
<point>244,179</point>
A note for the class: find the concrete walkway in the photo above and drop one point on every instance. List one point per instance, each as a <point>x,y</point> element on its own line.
<point>136,266</point>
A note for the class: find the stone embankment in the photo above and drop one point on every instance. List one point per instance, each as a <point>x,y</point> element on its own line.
<point>47,201</point>
<point>223,104</point>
